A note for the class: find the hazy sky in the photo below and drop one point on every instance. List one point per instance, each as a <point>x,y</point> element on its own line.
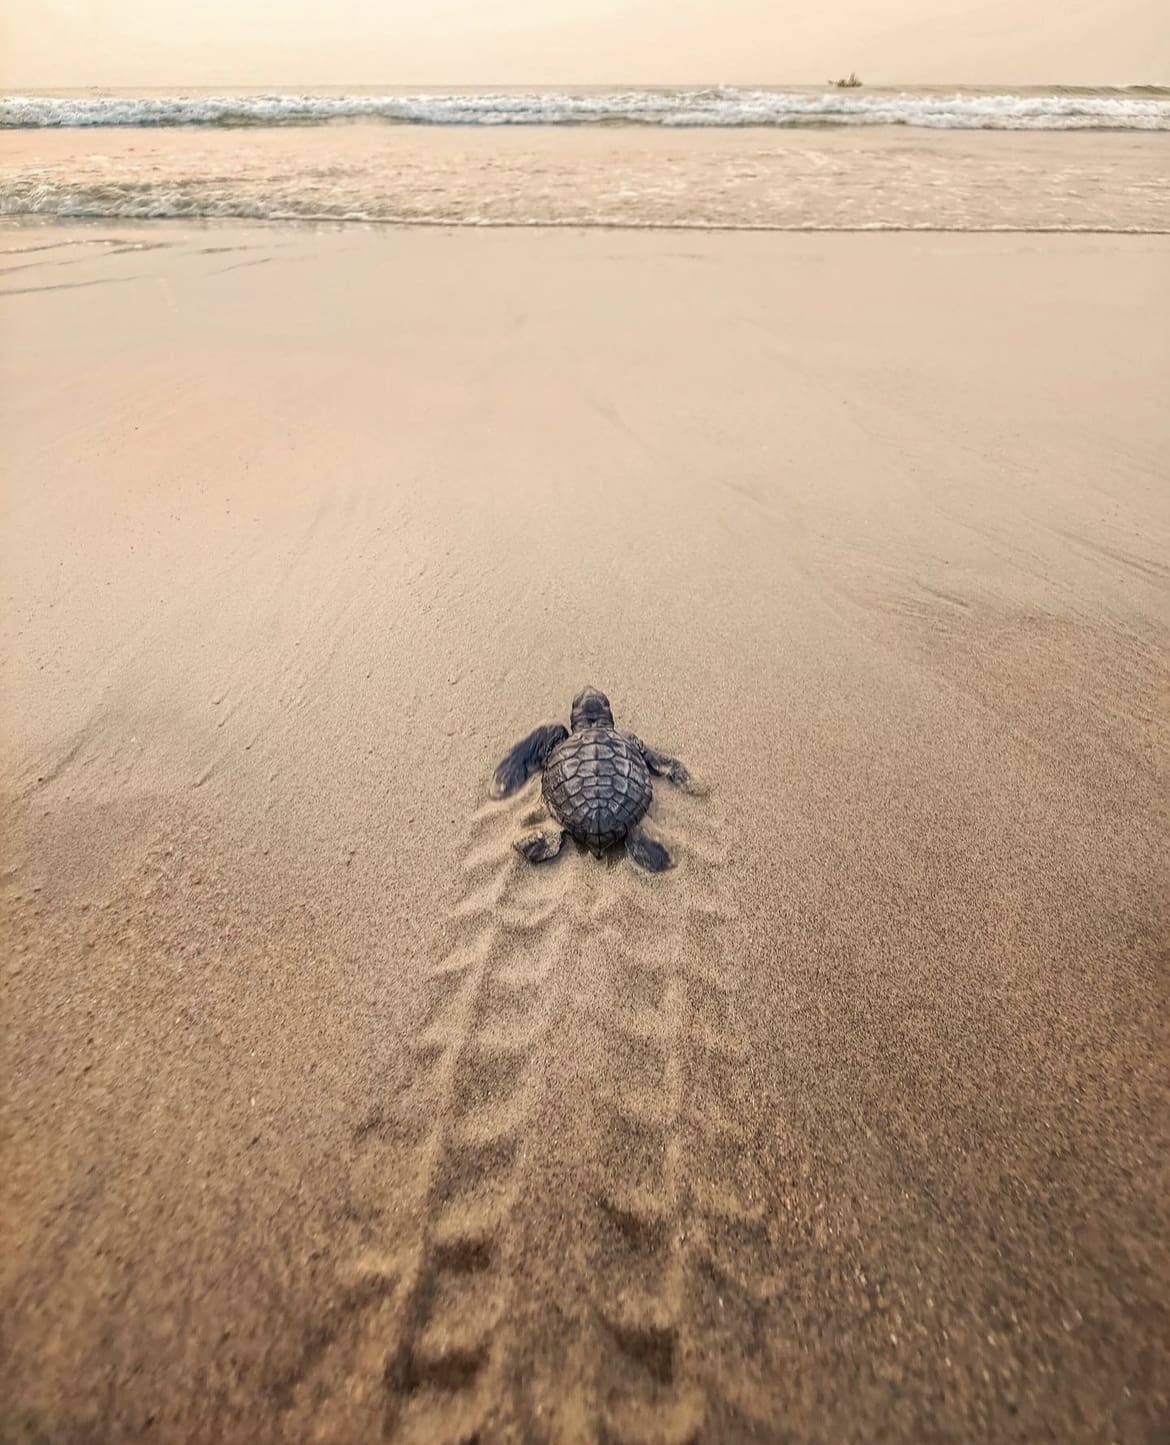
<point>420,42</point>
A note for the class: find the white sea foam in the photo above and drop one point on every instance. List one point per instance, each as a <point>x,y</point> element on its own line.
<point>593,175</point>
<point>1069,110</point>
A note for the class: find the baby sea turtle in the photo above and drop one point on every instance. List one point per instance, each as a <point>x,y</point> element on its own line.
<point>596,783</point>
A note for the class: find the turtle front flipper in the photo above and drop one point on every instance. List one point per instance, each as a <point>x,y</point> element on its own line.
<point>664,766</point>
<point>539,846</point>
<point>646,851</point>
<point>526,758</point>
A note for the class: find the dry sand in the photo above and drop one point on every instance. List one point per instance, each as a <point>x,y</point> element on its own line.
<point>327,1118</point>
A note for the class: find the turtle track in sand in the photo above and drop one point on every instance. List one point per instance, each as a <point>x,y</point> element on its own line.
<point>560,1225</point>
<point>677,1251</point>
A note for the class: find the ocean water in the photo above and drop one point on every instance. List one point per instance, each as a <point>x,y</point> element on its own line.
<point>795,159</point>
<point>1064,108</point>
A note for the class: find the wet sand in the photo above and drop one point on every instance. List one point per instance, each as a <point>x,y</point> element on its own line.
<point>327,1119</point>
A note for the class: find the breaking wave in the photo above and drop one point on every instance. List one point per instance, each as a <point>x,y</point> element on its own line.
<point>1059,110</point>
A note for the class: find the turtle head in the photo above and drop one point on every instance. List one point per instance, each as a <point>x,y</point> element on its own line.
<point>591,709</point>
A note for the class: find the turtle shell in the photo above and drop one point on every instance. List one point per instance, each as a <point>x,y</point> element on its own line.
<point>597,785</point>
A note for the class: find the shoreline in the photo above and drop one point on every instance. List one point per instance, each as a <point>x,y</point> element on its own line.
<point>613,177</point>
<point>325,221</point>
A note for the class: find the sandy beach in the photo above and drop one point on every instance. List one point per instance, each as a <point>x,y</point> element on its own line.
<point>328,1119</point>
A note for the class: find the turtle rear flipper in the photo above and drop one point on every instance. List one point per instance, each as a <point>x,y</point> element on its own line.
<point>647,851</point>
<point>539,846</point>
<point>526,758</point>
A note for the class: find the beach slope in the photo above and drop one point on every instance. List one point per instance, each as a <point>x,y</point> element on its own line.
<point>325,1116</point>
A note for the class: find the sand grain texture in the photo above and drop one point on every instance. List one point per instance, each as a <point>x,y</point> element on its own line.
<point>328,1119</point>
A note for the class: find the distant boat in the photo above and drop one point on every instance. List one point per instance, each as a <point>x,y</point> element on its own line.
<point>851,80</point>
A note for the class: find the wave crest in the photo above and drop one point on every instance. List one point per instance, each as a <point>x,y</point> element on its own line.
<point>718,107</point>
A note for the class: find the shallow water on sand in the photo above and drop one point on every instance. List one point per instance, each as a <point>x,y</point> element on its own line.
<point>882,178</point>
